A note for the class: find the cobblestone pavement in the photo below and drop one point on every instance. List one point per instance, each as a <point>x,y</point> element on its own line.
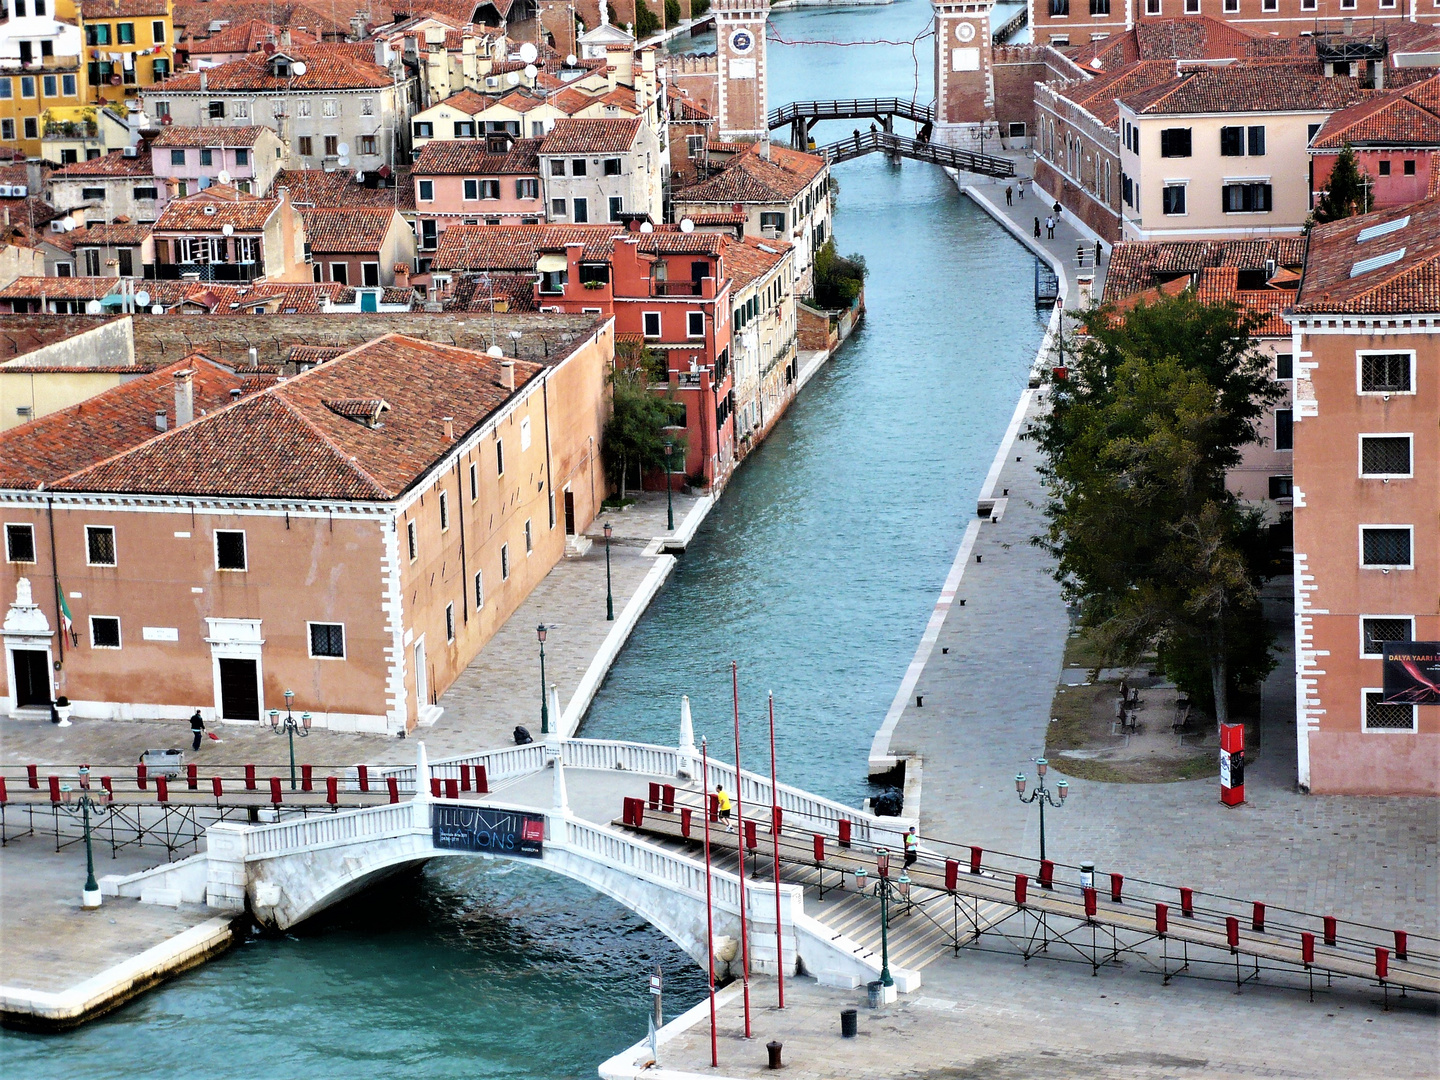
<point>500,688</point>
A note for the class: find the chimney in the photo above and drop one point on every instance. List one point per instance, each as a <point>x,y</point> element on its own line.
<point>1348,26</point>
<point>449,422</point>
<point>507,374</point>
<point>7,215</point>
<point>204,81</point>
<point>402,275</point>
<point>234,393</point>
<point>184,397</point>
<point>160,421</point>
<point>285,37</point>
<point>254,357</point>
<point>35,175</point>
<point>381,48</point>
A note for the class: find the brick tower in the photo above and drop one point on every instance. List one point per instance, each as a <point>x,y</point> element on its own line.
<point>740,45</point>
<point>964,75</point>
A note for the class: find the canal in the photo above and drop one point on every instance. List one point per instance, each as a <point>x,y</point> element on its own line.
<point>816,573</point>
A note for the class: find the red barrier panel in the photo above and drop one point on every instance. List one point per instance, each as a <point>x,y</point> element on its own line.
<point>1021,882</point>
<point>307,777</point>
<point>215,784</point>
<point>435,787</point>
<point>844,826</point>
<point>249,778</point>
<point>1257,918</point>
<point>4,795</point>
<point>192,776</point>
<point>363,773</point>
<point>1232,932</point>
<point>1089,895</point>
<point>1402,945</point>
<point>819,848</point>
<point>482,781</point>
<point>1162,919</point>
<point>750,835</point>
<point>714,807</point>
<point>685,813</point>
<point>627,811</point>
<point>32,772</point>
<point>667,798</point>
<point>1307,949</point>
<point>54,789</point>
<point>975,854</point>
<point>452,788</point>
<point>464,777</point>
<point>332,790</point>
<point>162,789</point>
<point>777,820</point>
<point>1117,881</point>
<point>275,790</point>
<point>140,775</point>
<point>1187,903</point>
<point>952,874</point>
<point>639,813</point>
<point>1382,963</point>
<point>108,786</point>
<point>1047,873</point>
<point>1329,929</point>
<point>654,795</point>
<point>394,786</point>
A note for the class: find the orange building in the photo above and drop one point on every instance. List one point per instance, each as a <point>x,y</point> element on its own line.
<point>1366,497</point>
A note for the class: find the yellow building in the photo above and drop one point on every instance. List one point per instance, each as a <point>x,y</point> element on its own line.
<point>41,68</point>
<point>129,44</point>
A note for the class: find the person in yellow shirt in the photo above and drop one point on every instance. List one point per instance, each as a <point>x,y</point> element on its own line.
<point>912,847</point>
<point>722,800</point>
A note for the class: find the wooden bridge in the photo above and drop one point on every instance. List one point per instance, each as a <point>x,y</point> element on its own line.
<point>898,146</point>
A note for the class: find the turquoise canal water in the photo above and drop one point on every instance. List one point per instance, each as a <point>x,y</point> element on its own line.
<point>816,573</point>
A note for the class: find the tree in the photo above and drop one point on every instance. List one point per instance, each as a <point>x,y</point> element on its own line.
<point>647,22</point>
<point>636,433</point>
<point>838,278</point>
<point>1151,546</point>
<point>672,12</point>
<point>1348,193</point>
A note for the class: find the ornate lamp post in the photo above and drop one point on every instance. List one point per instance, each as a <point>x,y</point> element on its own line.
<point>883,886</point>
<point>609,595</point>
<point>83,802</point>
<point>669,498</point>
<point>1041,795</point>
<point>544,706</point>
<point>289,726</point>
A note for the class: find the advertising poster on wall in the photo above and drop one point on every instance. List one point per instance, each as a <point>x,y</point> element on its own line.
<point>1412,673</point>
<point>488,830</point>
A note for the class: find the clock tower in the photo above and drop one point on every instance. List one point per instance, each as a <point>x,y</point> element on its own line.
<point>740,47</point>
<point>964,75</point>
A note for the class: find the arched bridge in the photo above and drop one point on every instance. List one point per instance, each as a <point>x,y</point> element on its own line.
<point>898,146</point>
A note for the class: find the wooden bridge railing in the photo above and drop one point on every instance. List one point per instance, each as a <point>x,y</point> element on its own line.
<point>880,142</point>
<point>851,109</point>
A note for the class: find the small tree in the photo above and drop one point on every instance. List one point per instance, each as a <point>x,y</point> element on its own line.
<point>647,23</point>
<point>1348,194</point>
<point>838,278</point>
<point>672,12</point>
<point>636,433</point>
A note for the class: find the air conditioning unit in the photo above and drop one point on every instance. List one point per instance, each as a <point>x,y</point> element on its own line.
<point>6,191</point>
<point>21,190</point>
<point>492,82</point>
<point>132,151</point>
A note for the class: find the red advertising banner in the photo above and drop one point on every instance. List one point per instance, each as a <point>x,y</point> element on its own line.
<point>1412,673</point>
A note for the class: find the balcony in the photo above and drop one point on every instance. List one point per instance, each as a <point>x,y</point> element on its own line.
<point>680,288</point>
<point>71,129</point>
<point>226,272</point>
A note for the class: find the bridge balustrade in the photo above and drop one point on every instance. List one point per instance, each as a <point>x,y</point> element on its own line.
<point>329,830</point>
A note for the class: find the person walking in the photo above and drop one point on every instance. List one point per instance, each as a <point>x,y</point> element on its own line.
<point>1097,254</point>
<point>1008,192</point>
<point>722,802</point>
<point>1021,185</point>
<point>1057,208</point>
<point>1049,227</point>
<point>197,728</point>
<point>1037,228</point>
<point>912,847</point>
<point>857,138</point>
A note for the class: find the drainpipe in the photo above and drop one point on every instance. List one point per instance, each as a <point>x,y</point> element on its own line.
<point>55,574</point>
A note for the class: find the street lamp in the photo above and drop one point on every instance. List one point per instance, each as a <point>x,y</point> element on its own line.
<point>669,498</point>
<point>544,708</point>
<point>609,596</point>
<point>83,803</point>
<point>883,887</point>
<point>290,726</point>
<point>1041,795</point>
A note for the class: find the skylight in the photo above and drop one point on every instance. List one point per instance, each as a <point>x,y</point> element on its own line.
<point>1364,266</point>
<point>1371,232</point>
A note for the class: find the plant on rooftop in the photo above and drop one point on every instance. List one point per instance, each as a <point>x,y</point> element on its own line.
<point>1348,193</point>
<point>1150,545</point>
<point>838,278</point>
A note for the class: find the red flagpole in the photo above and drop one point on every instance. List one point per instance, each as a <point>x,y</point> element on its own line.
<point>740,847</point>
<point>709,914</point>
<point>775,835</point>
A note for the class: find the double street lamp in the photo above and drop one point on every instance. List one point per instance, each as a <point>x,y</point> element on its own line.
<point>1041,795</point>
<point>544,706</point>
<point>83,802</point>
<point>289,726</point>
<point>886,889</point>
<point>669,498</point>
<point>609,596</point>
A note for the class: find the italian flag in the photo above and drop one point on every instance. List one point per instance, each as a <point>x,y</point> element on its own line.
<point>65,617</point>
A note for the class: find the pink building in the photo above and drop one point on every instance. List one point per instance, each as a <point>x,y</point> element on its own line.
<point>1395,137</point>
<point>476,182</point>
<point>189,159</point>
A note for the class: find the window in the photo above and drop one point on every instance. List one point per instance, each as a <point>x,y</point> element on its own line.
<point>577,167</point>
<point>125,33</point>
<point>91,258</point>
<point>504,562</point>
<point>100,545</point>
<point>427,234</point>
<point>527,189</point>
<point>92,194</point>
<point>464,129</point>
<point>97,34</point>
<point>423,129</point>
<point>1282,487</point>
<point>612,166</point>
<point>450,621</point>
<point>1232,142</point>
<point>499,457</point>
<point>216,110</point>
<point>1060,9</point>
<point>67,85</point>
<point>413,540</point>
<point>695,324</point>
<point>479,589</point>
<point>7,88</point>
<point>1386,373</point>
<point>367,106</point>
<point>1099,7</point>
<point>1385,546</point>
<point>229,549</point>
<point>328,108</point>
<point>651,321</point>
<point>557,166</point>
<point>177,157</point>
<point>444,511</point>
<point>307,147</point>
<point>582,211</point>
<point>524,434</point>
<point>1409,169</point>
<point>7,129</point>
<point>1127,190</point>
<point>1230,6</point>
<point>332,145</point>
<point>302,108</point>
<point>207,156</point>
<point>427,190</point>
<point>472,189</point>
<point>474,481</point>
<point>160,68</point>
<point>1256,135</point>
<point>557,208</point>
<point>489,189</point>
<point>242,156</point>
<point>367,144</point>
<point>1245,198</point>
<point>27,86</point>
<point>617,208</point>
<point>1385,455</point>
<point>529,538</point>
<point>20,543</point>
<point>1384,168</point>
<point>104,632</point>
<point>1173,198</point>
<point>1175,142</point>
<point>157,32</point>
<point>327,640</point>
<point>1285,366</point>
<point>1284,429</point>
<point>1375,632</point>
<point>1382,717</point>
<point>50,86</point>
<point>1192,7</point>
<point>1273,5</point>
<point>340,273</point>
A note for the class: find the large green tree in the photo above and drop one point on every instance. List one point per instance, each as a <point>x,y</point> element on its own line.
<point>1348,193</point>
<point>641,420</point>
<point>1150,545</point>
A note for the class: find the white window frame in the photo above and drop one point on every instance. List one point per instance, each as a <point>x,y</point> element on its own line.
<point>450,621</point>
<point>114,545</point>
<point>422,187</point>
<point>412,540</point>
<point>504,562</point>
<point>529,538</point>
<point>479,590</point>
<point>444,511</point>
<point>1360,355</point>
<point>1385,566</point>
<point>244,543</point>
<point>310,641</point>
<point>499,457</point>
<point>474,481</point>
<point>34,549</point>
<point>645,321</point>
<point>1360,453</point>
<point>1414,716</point>
<point>524,433</point>
<point>119,632</point>
<point>690,326</point>
<point>1360,626</point>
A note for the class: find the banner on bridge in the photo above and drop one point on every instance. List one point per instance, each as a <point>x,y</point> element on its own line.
<point>487,830</point>
<point>1412,673</point>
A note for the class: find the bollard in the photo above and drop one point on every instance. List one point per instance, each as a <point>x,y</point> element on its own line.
<point>1021,883</point>
<point>307,778</point>
<point>1089,895</point>
<point>162,789</point>
<point>777,820</point>
<point>1382,963</point>
<point>774,1048</point>
<point>685,813</point>
<point>819,848</point>
<point>249,778</point>
<point>654,795</point>
<point>667,798</point>
<point>849,1023</point>
<point>140,776</point>
<point>1257,918</point>
<point>464,777</point>
<point>275,790</point>
<point>1232,932</point>
<point>1402,945</point>
<point>843,825</point>
<point>952,874</point>
<point>714,808</point>
<point>1329,929</point>
<point>1307,948</point>
<point>1187,903</point>
<point>54,789</point>
<point>452,788</point>
<point>192,777</point>
<point>482,782</point>
<point>1047,873</point>
<point>1162,919</point>
<point>394,785</point>
<point>32,772</point>
<point>332,790</point>
<point>435,787</point>
<point>109,786</point>
<point>216,786</point>
<point>750,841</point>
<point>362,772</point>
<point>975,854</point>
<point>1117,881</point>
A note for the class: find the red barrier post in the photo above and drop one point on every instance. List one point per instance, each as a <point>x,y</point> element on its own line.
<point>777,820</point>
<point>1047,873</point>
<point>714,813</point>
<point>307,777</point>
<point>750,841</point>
<point>249,778</point>
<point>1162,919</point>
<point>1187,903</point>
<point>1307,949</point>
<point>843,825</point>
<point>654,795</point>
<point>54,789</point>
<point>363,773</point>
<point>1117,881</point>
<point>4,795</point>
<point>435,787</point>
<point>192,775</point>
<point>140,774</point>
<point>482,781</point>
<point>464,777</point>
<point>819,848</point>
<point>952,874</point>
<point>217,787</point>
<point>1402,945</point>
<point>685,813</point>
<point>1382,963</point>
<point>975,854</point>
<point>108,785</point>
<point>32,772</point>
<point>627,811</point>
<point>394,785</point>
<point>667,798</point>
<point>639,813</point>
<point>162,789</point>
<point>1232,932</point>
<point>452,788</point>
<point>1257,918</point>
<point>1330,930</point>
<point>332,790</point>
<point>275,790</point>
<point>1089,895</point>
<point>1021,882</point>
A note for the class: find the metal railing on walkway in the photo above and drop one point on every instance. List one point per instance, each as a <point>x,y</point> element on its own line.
<point>852,109</point>
<point>881,142</point>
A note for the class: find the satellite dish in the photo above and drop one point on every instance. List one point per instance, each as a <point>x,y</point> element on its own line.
<point>495,350</point>
<point>570,61</point>
<point>342,161</point>
<point>686,225</point>
<point>224,176</point>
<point>142,299</point>
<point>343,149</point>
<point>157,310</point>
<point>299,67</point>
<point>528,52</point>
<point>513,78</point>
<point>227,229</point>
<point>531,71</point>
<point>94,307</point>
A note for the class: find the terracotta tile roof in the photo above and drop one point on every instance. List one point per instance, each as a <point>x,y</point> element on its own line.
<point>472,157</point>
<point>22,235</point>
<point>46,450</point>
<point>249,35</point>
<point>195,16</point>
<point>684,109</point>
<point>121,9</point>
<point>178,137</point>
<point>57,288</point>
<point>591,136</point>
<point>1280,87</point>
<point>358,229</point>
<point>216,206</point>
<point>1396,272</point>
<point>751,258</point>
<point>467,101</point>
<point>110,235</point>
<point>1389,119</point>
<point>288,442</point>
<point>325,69</point>
<point>622,97</point>
<point>674,242</point>
<point>1137,265</point>
<point>480,292</point>
<point>314,354</point>
<point>719,217</point>
<point>751,179</point>
<point>279,297</point>
<point>115,163</point>
<point>516,247</point>
<point>330,189</point>
<point>1193,37</point>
